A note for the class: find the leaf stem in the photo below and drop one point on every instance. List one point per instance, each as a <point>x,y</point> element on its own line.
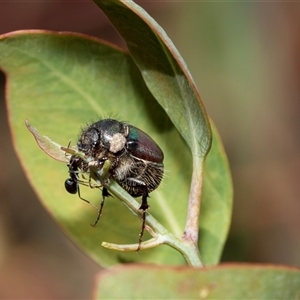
<point>193,213</point>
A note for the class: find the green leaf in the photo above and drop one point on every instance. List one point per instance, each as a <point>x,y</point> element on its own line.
<point>163,70</point>
<point>216,205</point>
<point>169,80</point>
<point>61,81</point>
<point>223,282</point>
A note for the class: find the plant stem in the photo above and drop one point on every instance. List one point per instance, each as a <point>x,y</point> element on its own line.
<point>193,213</point>
<point>161,235</point>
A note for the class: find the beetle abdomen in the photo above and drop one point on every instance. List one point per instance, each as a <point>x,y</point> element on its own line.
<point>142,178</point>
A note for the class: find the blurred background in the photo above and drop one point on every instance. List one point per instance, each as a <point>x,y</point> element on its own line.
<point>245,59</point>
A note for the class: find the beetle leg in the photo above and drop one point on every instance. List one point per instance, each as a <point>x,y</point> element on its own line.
<point>105,193</point>
<point>144,206</point>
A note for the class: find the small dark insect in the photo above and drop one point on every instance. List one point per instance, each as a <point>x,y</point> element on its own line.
<point>136,161</point>
<point>72,183</point>
<point>77,165</point>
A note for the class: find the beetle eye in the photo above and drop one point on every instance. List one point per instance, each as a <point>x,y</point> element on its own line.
<point>89,139</point>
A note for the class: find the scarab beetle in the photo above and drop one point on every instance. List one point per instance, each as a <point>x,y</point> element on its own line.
<point>136,161</point>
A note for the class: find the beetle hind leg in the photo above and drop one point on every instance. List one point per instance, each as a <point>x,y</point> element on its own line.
<point>144,207</point>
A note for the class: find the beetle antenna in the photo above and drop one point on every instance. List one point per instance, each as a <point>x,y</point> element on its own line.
<point>69,144</point>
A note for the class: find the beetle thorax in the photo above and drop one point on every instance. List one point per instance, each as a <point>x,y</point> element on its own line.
<point>117,143</point>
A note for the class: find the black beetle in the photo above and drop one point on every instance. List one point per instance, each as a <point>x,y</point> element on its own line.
<point>136,161</point>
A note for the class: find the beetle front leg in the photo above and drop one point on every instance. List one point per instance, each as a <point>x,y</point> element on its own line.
<point>105,194</point>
